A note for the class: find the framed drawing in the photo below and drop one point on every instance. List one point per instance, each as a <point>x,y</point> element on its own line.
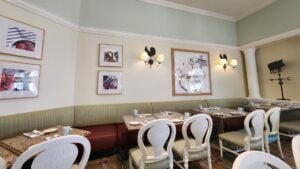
<point>19,80</point>
<point>17,38</point>
<point>109,82</point>
<point>190,72</point>
<point>111,55</point>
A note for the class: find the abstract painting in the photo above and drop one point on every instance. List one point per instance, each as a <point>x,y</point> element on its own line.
<point>20,39</point>
<point>190,72</point>
<point>109,82</point>
<point>19,80</point>
<point>111,55</point>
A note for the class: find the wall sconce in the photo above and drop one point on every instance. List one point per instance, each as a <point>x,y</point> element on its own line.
<point>148,57</point>
<point>224,63</point>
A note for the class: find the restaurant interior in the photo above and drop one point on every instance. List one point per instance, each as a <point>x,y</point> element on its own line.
<point>149,84</point>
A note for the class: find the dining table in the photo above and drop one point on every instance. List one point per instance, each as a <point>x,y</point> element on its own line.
<point>135,123</point>
<point>12,148</point>
<point>222,115</point>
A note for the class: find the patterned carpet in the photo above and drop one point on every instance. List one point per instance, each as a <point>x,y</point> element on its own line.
<point>115,162</point>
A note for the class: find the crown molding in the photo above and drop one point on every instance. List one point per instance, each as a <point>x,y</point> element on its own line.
<point>278,37</point>
<point>255,9</point>
<point>44,13</point>
<point>190,9</point>
<point>131,35</point>
<point>62,21</point>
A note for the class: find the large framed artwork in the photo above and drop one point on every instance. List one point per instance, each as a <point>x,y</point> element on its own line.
<point>111,55</point>
<point>109,82</point>
<point>19,80</point>
<point>17,38</point>
<point>190,72</point>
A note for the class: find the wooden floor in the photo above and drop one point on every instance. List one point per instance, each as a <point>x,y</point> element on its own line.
<point>114,161</point>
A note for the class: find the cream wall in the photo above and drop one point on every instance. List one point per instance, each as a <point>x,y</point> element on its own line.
<point>288,50</point>
<point>70,65</point>
<point>58,64</point>
<point>142,84</point>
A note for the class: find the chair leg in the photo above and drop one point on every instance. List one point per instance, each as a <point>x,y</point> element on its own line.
<point>130,164</point>
<point>186,160</point>
<point>209,158</point>
<point>267,144</point>
<point>279,146</point>
<point>221,147</point>
<point>262,145</point>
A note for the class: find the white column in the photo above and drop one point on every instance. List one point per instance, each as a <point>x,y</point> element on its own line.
<point>253,85</point>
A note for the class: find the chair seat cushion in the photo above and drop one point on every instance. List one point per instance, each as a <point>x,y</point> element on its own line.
<point>102,137</point>
<point>126,137</point>
<point>136,155</point>
<point>290,125</point>
<point>237,138</point>
<point>272,138</point>
<point>179,147</point>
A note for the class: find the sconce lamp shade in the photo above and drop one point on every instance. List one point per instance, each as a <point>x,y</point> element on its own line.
<point>223,61</point>
<point>233,63</point>
<point>144,56</point>
<point>160,58</point>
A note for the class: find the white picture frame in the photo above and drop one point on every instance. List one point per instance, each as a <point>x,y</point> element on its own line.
<point>110,55</point>
<point>19,80</point>
<point>20,39</point>
<point>109,82</point>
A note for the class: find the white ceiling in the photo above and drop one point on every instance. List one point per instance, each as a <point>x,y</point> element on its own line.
<point>235,9</point>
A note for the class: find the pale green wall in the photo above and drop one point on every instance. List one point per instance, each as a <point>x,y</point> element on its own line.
<point>68,9</point>
<point>279,17</point>
<point>144,18</point>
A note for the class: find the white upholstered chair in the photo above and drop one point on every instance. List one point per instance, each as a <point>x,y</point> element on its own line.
<point>272,121</point>
<point>59,153</point>
<point>251,138</point>
<point>258,160</point>
<point>198,146</point>
<point>296,150</point>
<point>159,133</point>
<point>2,163</point>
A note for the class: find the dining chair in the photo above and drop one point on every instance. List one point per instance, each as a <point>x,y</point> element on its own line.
<point>59,153</point>
<point>249,138</point>
<point>296,150</point>
<point>159,133</point>
<point>272,121</point>
<point>197,146</point>
<point>2,163</point>
<point>258,160</point>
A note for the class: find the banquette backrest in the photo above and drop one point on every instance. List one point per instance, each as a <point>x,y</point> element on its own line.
<point>91,115</point>
<point>12,125</point>
<point>228,102</point>
<point>177,105</point>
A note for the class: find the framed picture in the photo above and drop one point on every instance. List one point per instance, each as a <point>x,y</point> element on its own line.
<point>190,72</point>
<point>19,80</point>
<point>109,82</point>
<point>17,38</point>
<point>111,55</point>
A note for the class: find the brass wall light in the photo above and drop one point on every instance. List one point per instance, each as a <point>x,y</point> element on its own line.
<point>148,57</point>
<point>224,62</point>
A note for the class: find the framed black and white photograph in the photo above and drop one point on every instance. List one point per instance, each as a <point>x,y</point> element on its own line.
<point>19,80</point>
<point>20,39</point>
<point>190,72</point>
<point>111,55</point>
<point>109,82</point>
